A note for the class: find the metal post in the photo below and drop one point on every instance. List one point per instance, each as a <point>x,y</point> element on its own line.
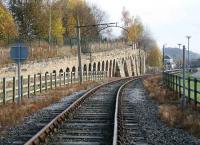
<point>79,49</point>
<point>183,98</point>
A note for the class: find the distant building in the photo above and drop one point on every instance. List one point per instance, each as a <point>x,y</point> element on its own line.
<point>169,63</point>
<point>195,63</point>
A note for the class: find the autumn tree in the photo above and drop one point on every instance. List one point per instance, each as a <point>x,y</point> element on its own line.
<point>154,57</point>
<point>32,18</point>
<point>7,25</point>
<point>134,26</point>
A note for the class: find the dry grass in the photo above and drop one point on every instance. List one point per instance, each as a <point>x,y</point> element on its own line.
<point>169,108</point>
<point>13,114</point>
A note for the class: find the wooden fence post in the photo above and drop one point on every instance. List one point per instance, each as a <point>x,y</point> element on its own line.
<point>195,91</point>
<point>22,89</point>
<point>46,85</point>
<point>51,81</point>
<point>55,80</point>
<point>189,98</point>
<point>14,89</point>
<point>34,84</point>
<point>176,84</point>
<point>86,75</point>
<point>28,86</point>
<point>4,91</point>
<point>64,78</point>
<point>173,82</point>
<point>71,77</point>
<point>179,82</point>
<point>40,83</point>
<point>74,77</point>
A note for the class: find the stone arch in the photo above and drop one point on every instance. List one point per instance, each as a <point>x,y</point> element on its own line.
<point>61,72</point>
<point>54,71</point>
<point>123,60</point>
<point>125,69</point>
<point>73,69</point>
<point>98,66</point>
<point>117,70</point>
<point>113,68</point>
<point>94,66</point>
<point>85,68</point>
<point>67,69</point>
<point>107,65</point>
<point>102,66</point>
<point>110,69</point>
<point>132,67</point>
<point>90,67</point>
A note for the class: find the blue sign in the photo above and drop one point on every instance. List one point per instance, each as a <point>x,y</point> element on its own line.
<point>19,53</point>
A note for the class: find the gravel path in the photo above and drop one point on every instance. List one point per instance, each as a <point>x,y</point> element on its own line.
<point>155,131</point>
<point>31,121</point>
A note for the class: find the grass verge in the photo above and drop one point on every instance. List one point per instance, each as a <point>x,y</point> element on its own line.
<point>169,109</point>
<point>13,114</point>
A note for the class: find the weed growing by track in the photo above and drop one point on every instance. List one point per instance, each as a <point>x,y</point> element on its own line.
<point>169,107</point>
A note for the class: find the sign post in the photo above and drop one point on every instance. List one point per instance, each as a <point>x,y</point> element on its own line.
<point>19,53</point>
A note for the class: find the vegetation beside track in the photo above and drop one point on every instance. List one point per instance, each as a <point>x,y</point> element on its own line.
<point>169,107</point>
<point>13,114</point>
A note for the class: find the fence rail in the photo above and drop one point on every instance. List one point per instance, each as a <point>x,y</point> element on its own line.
<point>175,81</point>
<point>38,83</point>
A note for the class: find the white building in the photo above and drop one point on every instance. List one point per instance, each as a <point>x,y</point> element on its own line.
<point>169,63</point>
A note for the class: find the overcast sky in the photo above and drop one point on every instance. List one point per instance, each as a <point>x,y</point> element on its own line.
<point>168,20</point>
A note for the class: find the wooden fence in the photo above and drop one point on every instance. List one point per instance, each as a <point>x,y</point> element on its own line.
<point>37,83</point>
<point>174,81</point>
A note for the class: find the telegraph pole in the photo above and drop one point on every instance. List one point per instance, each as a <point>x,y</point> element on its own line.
<point>79,50</point>
<point>188,38</point>
<point>50,21</point>
<point>180,52</point>
<point>183,98</point>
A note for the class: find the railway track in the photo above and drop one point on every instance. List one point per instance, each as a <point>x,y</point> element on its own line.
<point>100,117</point>
<point>127,130</point>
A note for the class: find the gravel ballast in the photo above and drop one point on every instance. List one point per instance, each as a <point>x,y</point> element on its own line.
<point>155,131</point>
<point>31,122</point>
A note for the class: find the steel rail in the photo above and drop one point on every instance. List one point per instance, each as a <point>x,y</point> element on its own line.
<point>42,135</point>
<point>117,110</point>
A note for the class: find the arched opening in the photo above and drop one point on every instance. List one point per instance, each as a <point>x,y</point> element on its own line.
<point>125,69</point>
<point>67,69</point>
<point>73,70</point>
<point>110,69</point>
<point>117,72</point>
<point>122,60</point>
<point>132,67</point>
<point>67,72</point>
<point>102,67</point>
<point>54,71</point>
<point>107,65</point>
<point>84,70</point>
<point>113,68</point>
<point>98,66</point>
<point>90,67</point>
<point>94,67</point>
<point>61,72</point>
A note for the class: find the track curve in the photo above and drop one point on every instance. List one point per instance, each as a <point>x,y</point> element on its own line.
<point>89,120</point>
